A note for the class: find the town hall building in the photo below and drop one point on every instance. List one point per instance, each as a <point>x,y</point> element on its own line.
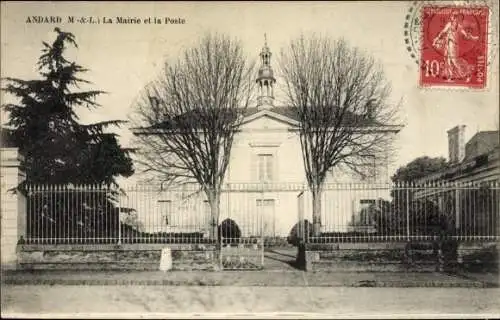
<point>265,176</point>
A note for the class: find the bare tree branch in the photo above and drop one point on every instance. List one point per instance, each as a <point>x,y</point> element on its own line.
<point>191,113</point>
<point>342,100</point>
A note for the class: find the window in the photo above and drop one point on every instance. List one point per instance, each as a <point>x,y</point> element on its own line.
<point>365,212</point>
<point>370,171</point>
<point>265,167</point>
<point>166,211</point>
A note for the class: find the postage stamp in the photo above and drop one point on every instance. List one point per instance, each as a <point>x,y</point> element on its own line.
<point>454,46</point>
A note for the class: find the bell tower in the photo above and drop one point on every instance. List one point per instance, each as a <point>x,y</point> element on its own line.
<point>265,79</point>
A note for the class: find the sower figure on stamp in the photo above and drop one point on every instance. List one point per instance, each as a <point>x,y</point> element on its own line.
<point>448,41</point>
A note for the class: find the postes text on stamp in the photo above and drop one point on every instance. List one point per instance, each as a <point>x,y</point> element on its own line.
<point>454,44</point>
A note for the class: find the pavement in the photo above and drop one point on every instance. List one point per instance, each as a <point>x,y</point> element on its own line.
<point>43,301</point>
<point>278,291</point>
<point>262,278</point>
<point>285,293</point>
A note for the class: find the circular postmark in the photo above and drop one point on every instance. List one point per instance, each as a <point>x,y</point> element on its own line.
<point>419,25</point>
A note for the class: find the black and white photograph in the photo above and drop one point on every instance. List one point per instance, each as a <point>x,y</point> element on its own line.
<point>227,159</point>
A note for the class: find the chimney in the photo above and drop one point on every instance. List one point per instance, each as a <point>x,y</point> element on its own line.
<point>456,144</point>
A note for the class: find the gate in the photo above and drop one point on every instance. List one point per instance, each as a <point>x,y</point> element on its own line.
<point>254,217</point>
<point>241,231</point>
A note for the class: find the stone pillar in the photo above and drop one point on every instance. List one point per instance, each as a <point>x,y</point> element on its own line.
<point>13,206</point>
<point>456,144</point>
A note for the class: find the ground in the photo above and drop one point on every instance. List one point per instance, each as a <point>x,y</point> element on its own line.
<point>89,301</point>
<point>279,288</point>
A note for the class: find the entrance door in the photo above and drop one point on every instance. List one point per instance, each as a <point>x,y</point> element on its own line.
<point>265,209</point>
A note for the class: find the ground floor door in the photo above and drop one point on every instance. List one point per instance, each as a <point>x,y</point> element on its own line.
<point>266,211</point>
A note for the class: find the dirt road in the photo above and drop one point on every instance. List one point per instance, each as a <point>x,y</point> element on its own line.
<point>87,301</point>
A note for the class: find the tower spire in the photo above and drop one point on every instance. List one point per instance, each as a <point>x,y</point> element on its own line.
<point>265,79</point>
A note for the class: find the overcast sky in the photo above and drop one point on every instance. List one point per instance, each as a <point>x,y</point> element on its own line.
<point>123,58</point>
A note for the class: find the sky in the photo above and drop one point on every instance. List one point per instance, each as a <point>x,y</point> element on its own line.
<point>123,58</point>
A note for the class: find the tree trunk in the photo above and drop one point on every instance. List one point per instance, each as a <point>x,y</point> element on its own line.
<point>316,199</point>
<point>214,202</point>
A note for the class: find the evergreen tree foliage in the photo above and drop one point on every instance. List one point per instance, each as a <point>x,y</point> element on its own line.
<point>44,124</point>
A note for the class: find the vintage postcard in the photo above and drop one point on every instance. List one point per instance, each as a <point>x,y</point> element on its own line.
<point>250,159</point>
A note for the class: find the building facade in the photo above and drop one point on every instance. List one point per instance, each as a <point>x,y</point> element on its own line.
<point>266,174</point>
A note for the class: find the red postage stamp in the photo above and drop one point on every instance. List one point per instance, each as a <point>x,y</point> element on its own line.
<point>454,46</point>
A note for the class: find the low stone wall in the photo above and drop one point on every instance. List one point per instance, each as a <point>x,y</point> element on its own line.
<point>478,256</point>
<point>397,257</point>
<point>115,257</point>
<point>367,257</point>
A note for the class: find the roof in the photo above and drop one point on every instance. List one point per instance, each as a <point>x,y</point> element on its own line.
<point>481,154</point>
<point>482,167</point>
<point>481,143</point>
<point>290,113</point>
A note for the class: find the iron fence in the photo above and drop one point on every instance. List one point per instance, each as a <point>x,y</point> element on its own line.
<point>403,212</point>
<point>261,214</point>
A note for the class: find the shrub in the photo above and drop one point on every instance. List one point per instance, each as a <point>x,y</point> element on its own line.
<point>294,236</point>
<point>229,231</point>
<point>66,214</point>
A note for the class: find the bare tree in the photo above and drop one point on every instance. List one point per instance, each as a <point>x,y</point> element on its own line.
<point>341,97</point>
<point>190,114</point>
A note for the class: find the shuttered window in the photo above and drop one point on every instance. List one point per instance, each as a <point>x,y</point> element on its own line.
<point>265,167</point>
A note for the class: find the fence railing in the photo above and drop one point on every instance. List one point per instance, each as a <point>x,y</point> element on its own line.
<point>404,212</point>
<point>250,213</point>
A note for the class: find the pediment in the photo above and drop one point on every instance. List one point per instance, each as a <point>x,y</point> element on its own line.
<point>268,120</point>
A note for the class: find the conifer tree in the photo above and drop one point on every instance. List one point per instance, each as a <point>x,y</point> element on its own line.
<point>58,149</point>
<point>44,124</point>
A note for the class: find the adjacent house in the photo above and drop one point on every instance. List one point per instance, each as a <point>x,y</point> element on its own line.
<point>475,161</point>
<point>266,172</point>
<point>467,190</point>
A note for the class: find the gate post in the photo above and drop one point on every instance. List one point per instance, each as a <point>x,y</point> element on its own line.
<point>300,213</point>
<point>13,206</point>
